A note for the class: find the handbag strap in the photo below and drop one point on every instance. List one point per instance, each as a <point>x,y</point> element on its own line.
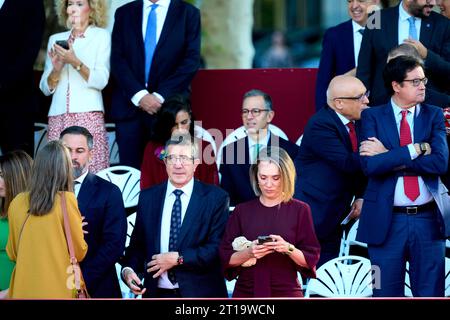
<point>20,233</point>
<point>73,259</point>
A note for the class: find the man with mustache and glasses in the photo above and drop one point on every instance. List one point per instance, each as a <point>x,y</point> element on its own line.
<point>100,202</point>
<point>414,22</point>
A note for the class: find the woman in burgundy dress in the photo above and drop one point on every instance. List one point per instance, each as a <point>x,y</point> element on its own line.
<point>270,269</point>
<point>175,115</point>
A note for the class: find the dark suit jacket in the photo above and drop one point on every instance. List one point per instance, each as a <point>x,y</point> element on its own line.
<point>198,242</point>
<point>329,172</point>
<point>175,61</point>
<point>101,203</point>
<point>235,167</point>
<point>337,58</point>
<point>376,44</point>
<point>384,169</point>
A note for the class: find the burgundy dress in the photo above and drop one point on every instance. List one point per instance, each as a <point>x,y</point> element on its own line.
<point>153,169</point>
<point>274,275</point>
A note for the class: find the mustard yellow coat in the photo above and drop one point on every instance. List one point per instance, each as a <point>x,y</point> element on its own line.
<point>42,256</point>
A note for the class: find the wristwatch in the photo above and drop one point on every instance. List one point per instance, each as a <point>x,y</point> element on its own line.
<point>423,147</point>
<point>291,248</point>
<point>78,67</point>
<point>180,260</point>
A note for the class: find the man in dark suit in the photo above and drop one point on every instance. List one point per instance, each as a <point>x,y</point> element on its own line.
<point>257,113</point>
<point>21,30</point>
<point>340,47</point>
<point>179,225</point>
<point>411,19</point>
<point>155,54</point>
<point>101,204</point>
<point>329,170</point>
<point>406,213</point>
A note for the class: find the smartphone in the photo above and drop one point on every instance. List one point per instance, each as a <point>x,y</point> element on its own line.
<point>264,239</point>
<point>63,43</point>
<point>141,286</point>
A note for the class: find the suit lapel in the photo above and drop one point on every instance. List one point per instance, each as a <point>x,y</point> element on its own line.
<point>193,211</point>
<point>426,31</point>
<point>156,212</point>
<point>86,194</point>
<point>420,123</point>
<point>171,18</point>
<point>136,26</point>
<point>392,25</point>
<point>390,126</point>
<point>340,127</point>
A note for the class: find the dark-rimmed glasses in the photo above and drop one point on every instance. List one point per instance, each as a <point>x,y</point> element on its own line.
<point>360,98</point>
<point>416,82</point>
<point>254,112</point>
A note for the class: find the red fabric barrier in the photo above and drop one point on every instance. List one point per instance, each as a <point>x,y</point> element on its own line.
<point>217,97</point>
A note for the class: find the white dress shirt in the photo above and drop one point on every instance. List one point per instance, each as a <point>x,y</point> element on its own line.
<point>403,24</point>
<point>78,182</point>
<point>169,199</point>
<point>357,39</point>
<point>161,14</point>
<point>400,198</point>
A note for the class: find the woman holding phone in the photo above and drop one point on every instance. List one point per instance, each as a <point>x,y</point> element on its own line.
<point>76,71</point>
<point>269,239</point>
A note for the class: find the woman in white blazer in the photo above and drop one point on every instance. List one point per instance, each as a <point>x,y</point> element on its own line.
<point>76,71</point>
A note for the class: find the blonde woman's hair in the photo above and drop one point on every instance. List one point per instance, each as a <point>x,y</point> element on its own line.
<point>15,167</point>
<point>98,15</point>
<point>283,161</point>
<point>52,173</point>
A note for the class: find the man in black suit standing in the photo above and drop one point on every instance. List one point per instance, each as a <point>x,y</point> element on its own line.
<point>179,225</point>
<point>155,54</point>
<point>101,204</point>
<point>411,19</point>
<point>21,29</point>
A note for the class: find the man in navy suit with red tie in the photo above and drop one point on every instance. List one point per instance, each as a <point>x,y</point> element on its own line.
<point>155,54</point>
<point>406,213</point>
<point>329,169</point>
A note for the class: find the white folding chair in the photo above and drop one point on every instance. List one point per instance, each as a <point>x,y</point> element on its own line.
<point>127,179</point>
<point>112,143</point>
<point>203,134</point>
<point>40,136</point>
<point>447,276</point>
<point>347,276</point>
<point>349,239</point>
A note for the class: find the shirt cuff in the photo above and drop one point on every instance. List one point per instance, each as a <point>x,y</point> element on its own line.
<point>138,96</point>
<point>412,151</point>
<point>160,97</point>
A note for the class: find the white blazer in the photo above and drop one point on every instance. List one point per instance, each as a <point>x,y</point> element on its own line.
<point>94,51</point>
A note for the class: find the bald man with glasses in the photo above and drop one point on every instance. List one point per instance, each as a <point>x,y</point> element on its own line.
<point>329,172</point>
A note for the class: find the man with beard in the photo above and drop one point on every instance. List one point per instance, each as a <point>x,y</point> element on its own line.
<point>414,22</point>
<point>100,202</point>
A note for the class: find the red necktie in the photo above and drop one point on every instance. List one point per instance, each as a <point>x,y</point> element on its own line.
<point>410,183</point>
<point>352,134</point>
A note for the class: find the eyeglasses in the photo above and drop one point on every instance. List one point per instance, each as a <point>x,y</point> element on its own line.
<point>416,82</point>
<point>254,112</point>
<point>360,98</point>
<point>172,159</point>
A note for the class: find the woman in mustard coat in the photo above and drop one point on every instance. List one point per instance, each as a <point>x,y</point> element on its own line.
<point>37,241</point>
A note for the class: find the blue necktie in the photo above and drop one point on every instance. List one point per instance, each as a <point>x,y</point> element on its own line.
<point>150,40</point>
<point>412,28</point>
<point>175,226</point>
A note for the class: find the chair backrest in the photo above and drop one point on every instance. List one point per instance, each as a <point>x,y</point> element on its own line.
<point>203,134</point>
<point>112,143</point>
<point>447,276</point>
<point>127,179</point>
<point>348,276</point>
<point>349,239</point>
<point>299,140</point>
<point>40,136</point>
